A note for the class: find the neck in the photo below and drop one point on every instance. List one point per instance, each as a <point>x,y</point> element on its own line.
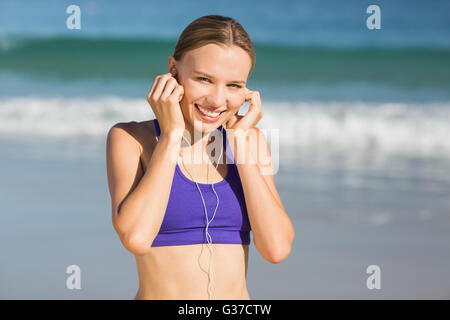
<point>197,139</point>
<point>199,142</point>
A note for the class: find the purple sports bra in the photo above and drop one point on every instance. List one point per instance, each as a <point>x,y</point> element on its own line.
<point>184,220</point>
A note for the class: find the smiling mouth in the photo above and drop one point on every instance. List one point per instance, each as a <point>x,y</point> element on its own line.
<point>208,113</point>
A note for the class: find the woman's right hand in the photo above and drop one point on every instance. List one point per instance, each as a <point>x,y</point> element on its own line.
<point>164,98</point>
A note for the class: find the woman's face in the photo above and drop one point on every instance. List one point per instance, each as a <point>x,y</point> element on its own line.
<point>215,78</point>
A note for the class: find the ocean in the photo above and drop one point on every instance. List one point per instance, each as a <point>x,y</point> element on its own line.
<point>359,121</point>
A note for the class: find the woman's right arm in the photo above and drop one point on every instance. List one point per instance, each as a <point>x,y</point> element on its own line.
<point>139,200</point>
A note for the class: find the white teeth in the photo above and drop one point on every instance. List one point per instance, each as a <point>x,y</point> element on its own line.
<point>208,113</point>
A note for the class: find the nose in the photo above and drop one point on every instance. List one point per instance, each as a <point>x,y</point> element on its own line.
<point>217,97</point>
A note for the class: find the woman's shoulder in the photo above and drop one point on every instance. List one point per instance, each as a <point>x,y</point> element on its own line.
<point>143,133</point>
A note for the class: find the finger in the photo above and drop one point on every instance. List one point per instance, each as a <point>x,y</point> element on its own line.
<point>160,87</point>
<point>248,95</point>
<point>233,120</point>
<point>254,113</point>
<point>168,88</point>
<point>154,85</point>
<point>178,93</point>
<point>255,101</point>
<point>249,120</point>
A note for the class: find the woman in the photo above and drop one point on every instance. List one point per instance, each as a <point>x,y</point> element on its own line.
<point>188,222</point>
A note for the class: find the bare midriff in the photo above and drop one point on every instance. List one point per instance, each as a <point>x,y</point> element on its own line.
<point>181,272</point>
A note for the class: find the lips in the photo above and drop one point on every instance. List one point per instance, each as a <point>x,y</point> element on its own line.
<point>207,111</point>
<point>205,117</point>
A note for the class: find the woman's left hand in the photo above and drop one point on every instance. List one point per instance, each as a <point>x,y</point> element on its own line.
<point>251,118</point>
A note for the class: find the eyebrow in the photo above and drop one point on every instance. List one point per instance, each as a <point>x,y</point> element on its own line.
<point>210,76</point>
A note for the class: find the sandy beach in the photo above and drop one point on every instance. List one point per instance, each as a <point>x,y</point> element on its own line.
<point>58,214</point>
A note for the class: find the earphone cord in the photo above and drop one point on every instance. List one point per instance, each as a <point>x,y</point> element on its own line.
<point>208,236</point>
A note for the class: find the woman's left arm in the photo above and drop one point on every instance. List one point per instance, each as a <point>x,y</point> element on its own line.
<point>273,232</point>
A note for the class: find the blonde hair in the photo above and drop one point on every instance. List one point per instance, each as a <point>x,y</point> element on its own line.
<point>216,29</point>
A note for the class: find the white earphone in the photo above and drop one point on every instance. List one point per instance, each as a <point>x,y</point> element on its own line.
<point>208,236</point>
